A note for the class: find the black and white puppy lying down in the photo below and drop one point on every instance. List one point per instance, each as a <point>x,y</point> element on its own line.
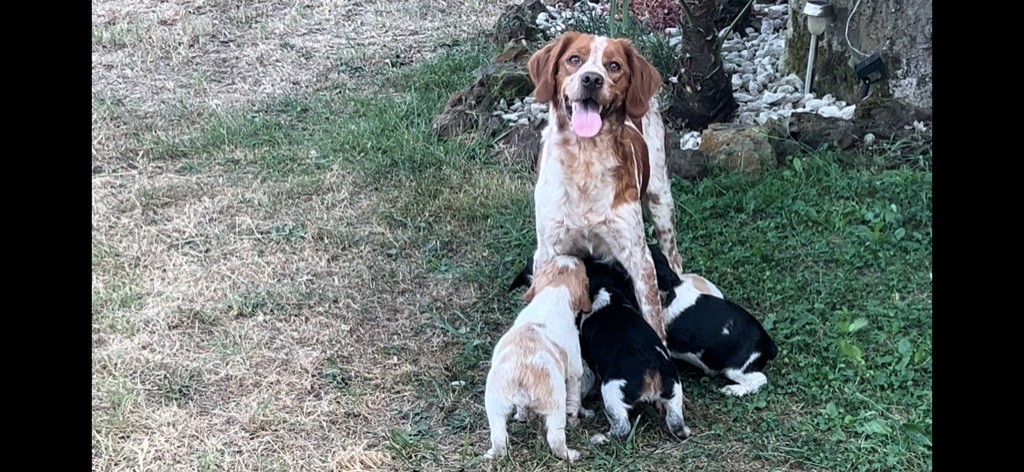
<point>620,347</point>
<point>702,328</point>
<point>716,335</point>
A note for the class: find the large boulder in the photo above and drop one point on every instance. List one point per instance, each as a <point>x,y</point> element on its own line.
<point>737,147</point>
<point>689,164</point>
<point>802,132</point>
<point>506,78</point>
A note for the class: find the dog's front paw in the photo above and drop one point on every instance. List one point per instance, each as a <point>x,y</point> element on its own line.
<point>681,433</point>
<point>736,390</point>
<point>573,419</point>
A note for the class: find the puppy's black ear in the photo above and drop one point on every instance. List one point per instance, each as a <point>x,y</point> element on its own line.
<point>523,279</point>
<point>668,279</point>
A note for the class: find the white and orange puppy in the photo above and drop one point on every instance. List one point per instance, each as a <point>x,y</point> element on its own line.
<point>602,156</point>
<point>536,366</point>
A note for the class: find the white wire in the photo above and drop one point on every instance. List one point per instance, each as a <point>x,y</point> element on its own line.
<point>848,43</point>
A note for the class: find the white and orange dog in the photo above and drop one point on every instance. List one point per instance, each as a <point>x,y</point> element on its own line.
<point>603,155</point>
<point>536,366</point>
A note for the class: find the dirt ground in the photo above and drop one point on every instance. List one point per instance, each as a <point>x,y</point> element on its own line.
<point>191,367</point>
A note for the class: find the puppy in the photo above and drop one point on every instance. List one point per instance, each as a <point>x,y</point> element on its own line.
<point>602,160</point>
<point>536,366</point>
<point>625,354</point>
<point>716,335</point>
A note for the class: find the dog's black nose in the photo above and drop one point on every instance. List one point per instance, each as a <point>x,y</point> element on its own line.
<point>592,80</point>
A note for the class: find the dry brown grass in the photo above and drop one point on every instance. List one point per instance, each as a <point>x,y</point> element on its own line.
<point>239,323</point>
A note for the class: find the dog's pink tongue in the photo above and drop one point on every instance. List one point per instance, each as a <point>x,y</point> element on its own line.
<point>585,122</point>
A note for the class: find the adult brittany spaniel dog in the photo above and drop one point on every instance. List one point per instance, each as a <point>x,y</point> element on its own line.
<point>602,154</point>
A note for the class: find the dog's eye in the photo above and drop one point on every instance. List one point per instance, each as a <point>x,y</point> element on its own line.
<point>575,60</point>
<point>614,66</point>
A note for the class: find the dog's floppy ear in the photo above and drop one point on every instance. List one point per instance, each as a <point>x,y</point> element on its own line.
<point>543,67</point>
<point>667,278</point>
<point>523,278</point>
<point>644,82</point>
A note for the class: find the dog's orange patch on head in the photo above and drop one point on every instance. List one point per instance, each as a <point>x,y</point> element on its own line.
<point>563,271</point>
<point>700,284</point>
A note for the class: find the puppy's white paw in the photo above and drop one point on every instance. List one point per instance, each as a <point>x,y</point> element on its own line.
<point>571,455</point>
<point>598,439</point>
<point>736,390</point>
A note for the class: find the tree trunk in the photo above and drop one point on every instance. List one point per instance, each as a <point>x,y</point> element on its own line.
<point>703,94</point>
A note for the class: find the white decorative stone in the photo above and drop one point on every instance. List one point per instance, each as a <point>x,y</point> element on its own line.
<point>754,88</point>
<point>749,30</point>
<point>869,138</point>
<point>830,111</point>
<point>772,98</point>
<point>737,81</point>
<point>787,89</point>
<point>815,104</point>
<point>847,112</point>
<point>743,97</point>
<point>747,118</point>
<point>522,121</point>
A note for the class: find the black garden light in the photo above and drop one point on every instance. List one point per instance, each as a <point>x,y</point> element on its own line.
<point>869,70</point>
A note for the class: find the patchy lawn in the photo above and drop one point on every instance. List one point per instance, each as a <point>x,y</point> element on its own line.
<point>307,279</point>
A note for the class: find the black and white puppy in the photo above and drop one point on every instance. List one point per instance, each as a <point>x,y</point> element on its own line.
<point>624,353</point>
<point>716,335</point>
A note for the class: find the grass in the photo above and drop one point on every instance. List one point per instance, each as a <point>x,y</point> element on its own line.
<point>322,282</point>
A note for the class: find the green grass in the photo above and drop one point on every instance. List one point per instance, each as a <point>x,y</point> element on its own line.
<point>833,256</point>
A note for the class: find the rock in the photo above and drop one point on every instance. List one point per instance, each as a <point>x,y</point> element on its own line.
<point>743,97</point>
<point>737,81</point>
<point>814,104</point>
<point>690,164</point>
<point>521,143</point>
<point>747,118</point>
<point>830,111</point>
<point>794,81</point>
<point>497,83</point>
<point>847,112</point>
<point>765,77</point>
<point>885,116</point>
<point>787,89</point>
<point>772,98</point>
<point>518,22</point>
<point>737,147</point>
<point>794,134</point>
<point>754,88</point>
<point>869,138</point>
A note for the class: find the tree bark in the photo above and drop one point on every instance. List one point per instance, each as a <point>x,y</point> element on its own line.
<point>703,94</point>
